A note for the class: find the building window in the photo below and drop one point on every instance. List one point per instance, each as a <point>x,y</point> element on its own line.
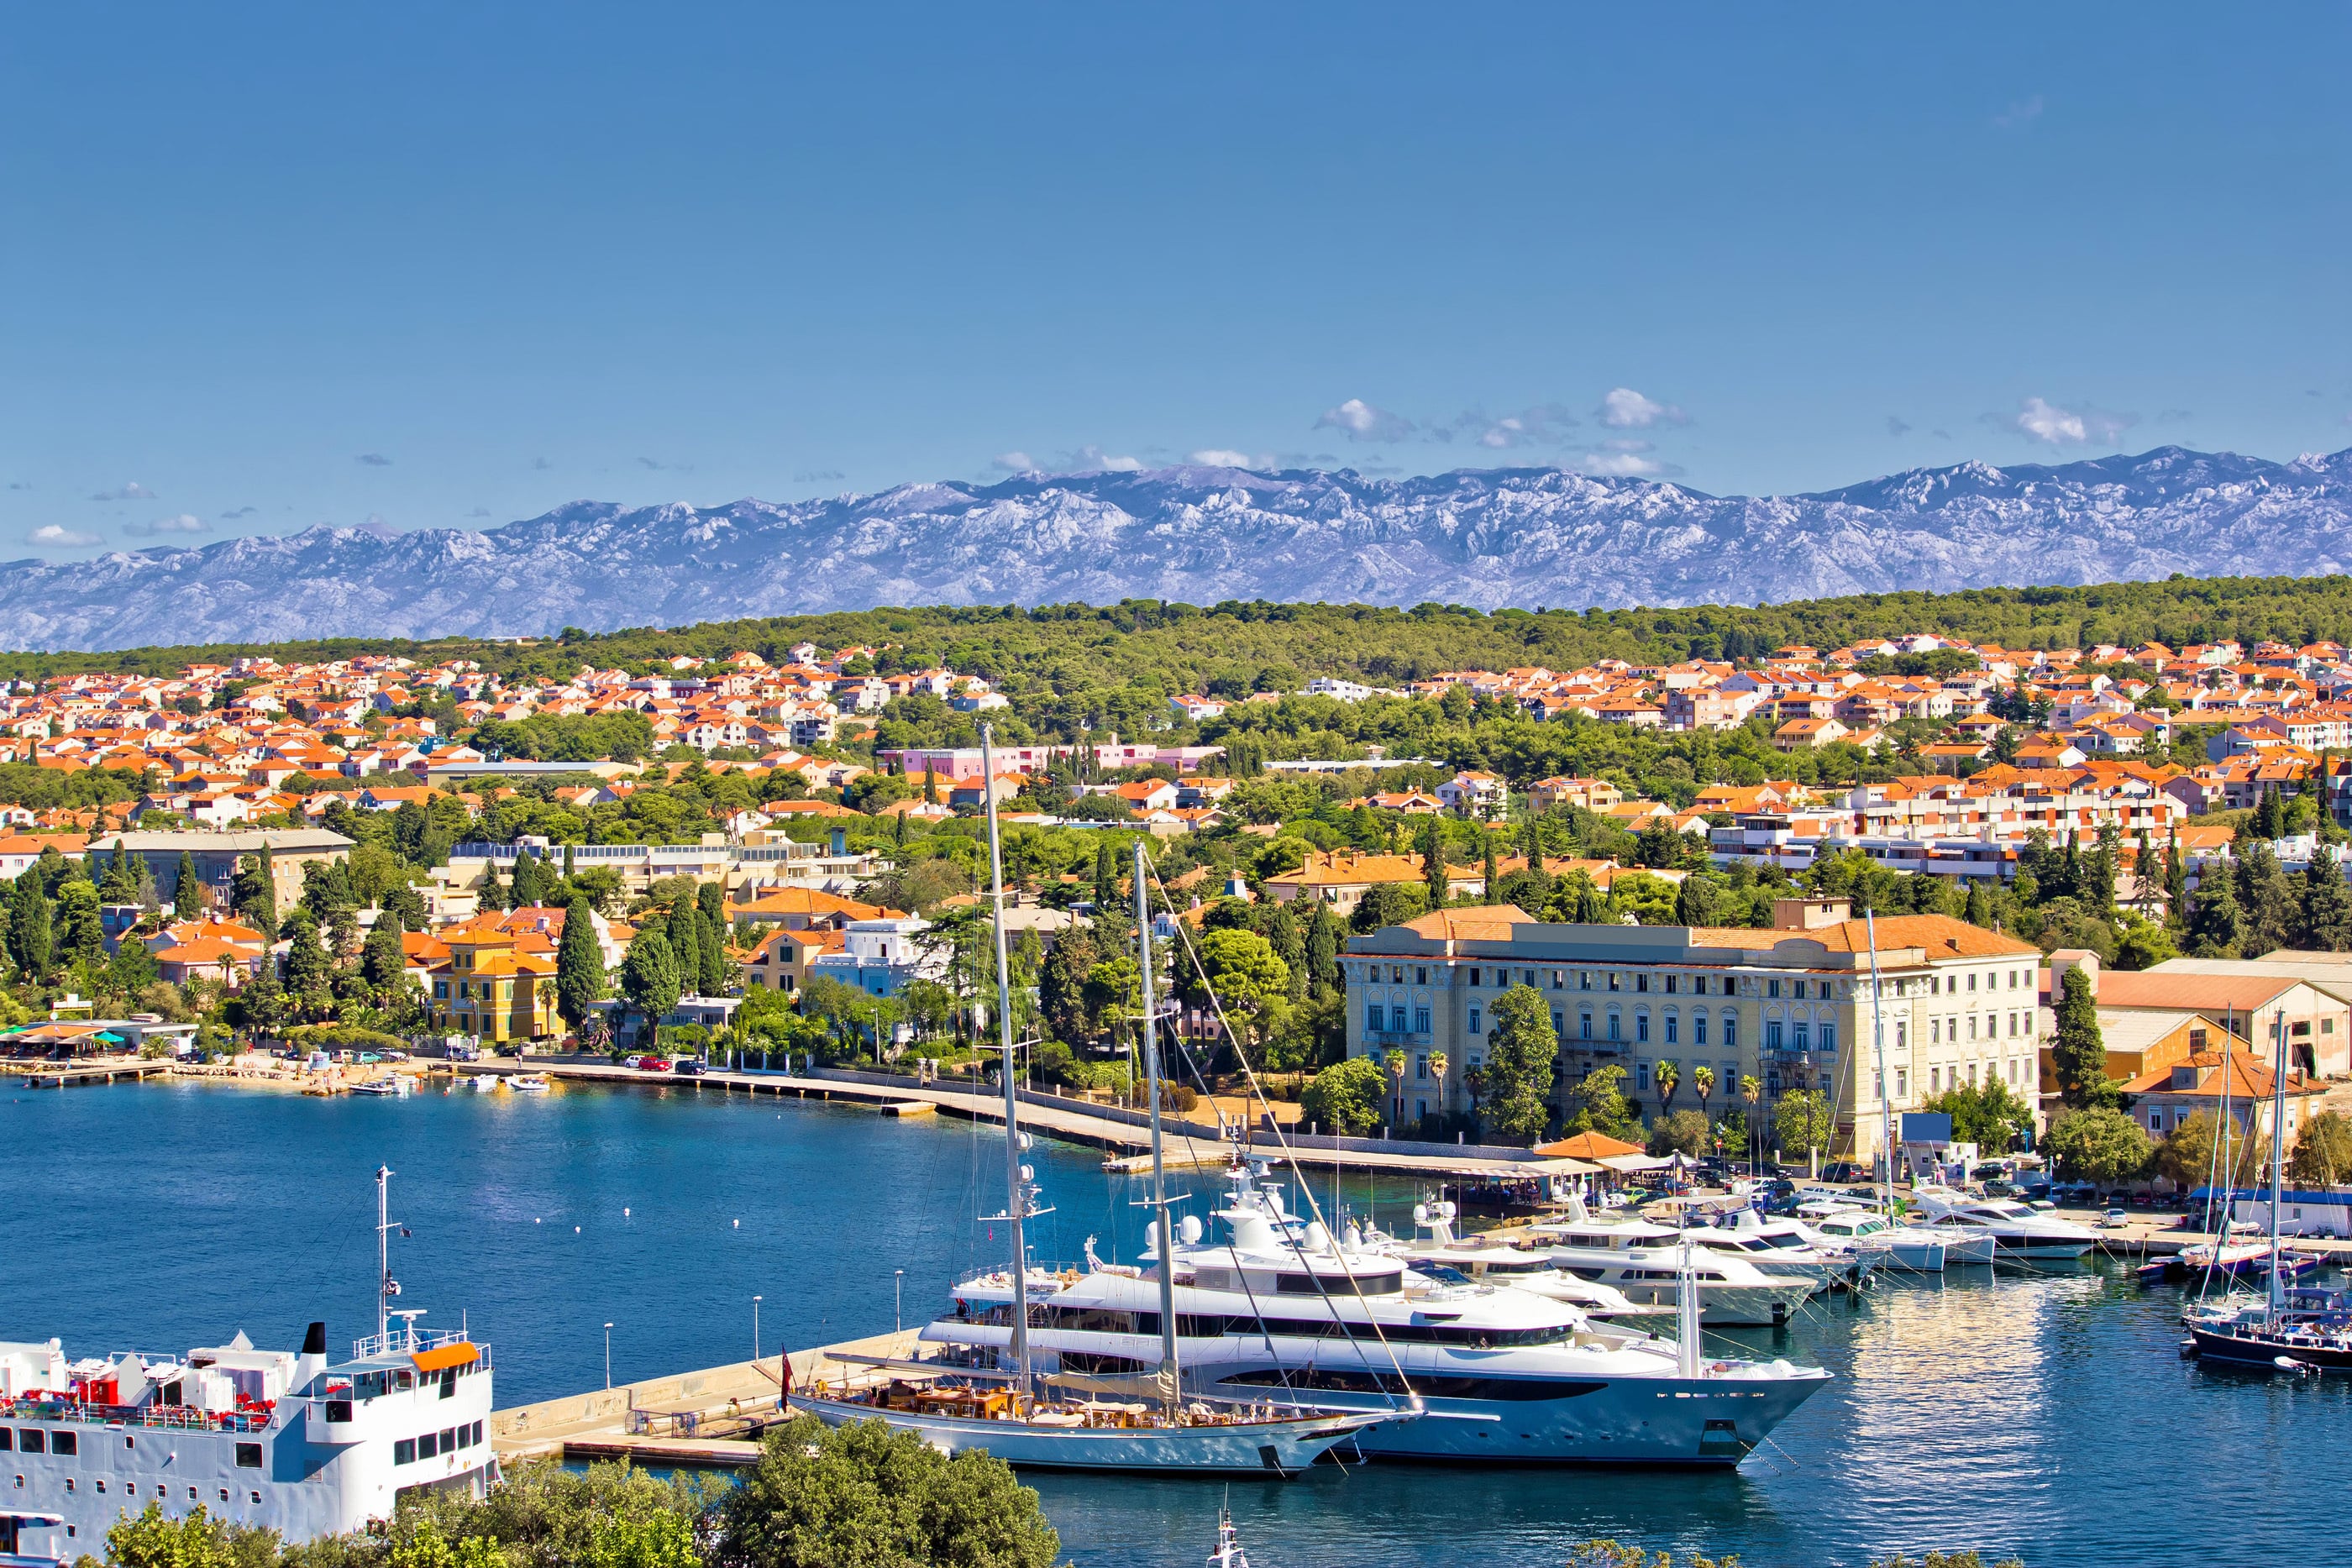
<point>1772,987</point>
<point>1972,982</point>
<point>1375,1019</point>
<point>1642,981</point>
<point>1698,985</point>
<point>1560,979</point>
<point>1615,1027</point>
<point>1772,1034</point>
<point>1641,1028</point>
<point>1798,990</point>
<point>1615,979</point>
<point>1421,975</point>
<point>1829,1035</point>
<point>1420,1070</point>
<point>1698,1029</point>
<point>1674,1030</point>
<point>1731,1031</point>
<point>1473,1018</point>
<point>1641,1081</point>
<point>1421,1021</point>
<point>1586,1031</point>
<point>403,1452</point>
<point>1473,977</point>
<point>1902,1082</point>
<point>1670,985</point>
<point>1800,1035</point>
<point>1584,979</point>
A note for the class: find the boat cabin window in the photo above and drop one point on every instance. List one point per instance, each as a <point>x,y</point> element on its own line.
<point>249,1456</point>
<point>33,1441</point>
<point>1517,1266</point>
<point>1443,1275</point>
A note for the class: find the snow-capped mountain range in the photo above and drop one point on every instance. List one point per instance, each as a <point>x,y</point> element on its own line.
<point>1486,538</point>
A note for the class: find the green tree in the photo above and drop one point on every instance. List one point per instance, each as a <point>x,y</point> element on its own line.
<point>1389,903</point>
<point>1250,982</point>
<point>1803,1121</point>
<point>1062,985</point>
<point>2078,1052</point>
<point>1991,1115</point>
<point>187,891</point>
<point>254,895</point>
<point>2143,945</point>
<point>2098,1144</point>
<point>1602,1103</point>
<point>1345,1097</point>
<point>580,980</point>
<point>195,1539</point>
<point>1429,842</point>
<point>1522,1053</point>
<point>1325,935</point>
<point>30,934</point>
<point>2217,926</point>
<point>81,935</point>
<point>1686,1133</point>
<point>383,962</point>
<point>309,974</point>
<point>1668,1076</point>
<point>2323,1152</point>
<point>2324,918</point>
<point>649,977</point>
<point>861,1496</point>
<point>684,930</point>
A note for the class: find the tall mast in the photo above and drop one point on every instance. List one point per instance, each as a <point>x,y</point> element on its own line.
<point>384,1287</point>
<point>1168,1371</point>
<point>1878,1039</point>
<point>1015,1194</point>
<point>2278,1155</point>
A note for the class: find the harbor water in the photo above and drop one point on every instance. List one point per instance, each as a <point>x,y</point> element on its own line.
<point>2045,1413</point>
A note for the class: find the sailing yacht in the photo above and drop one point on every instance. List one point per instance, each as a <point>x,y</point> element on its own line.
<point>995,1404</point>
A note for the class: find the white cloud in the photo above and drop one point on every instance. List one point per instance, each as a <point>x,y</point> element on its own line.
<point>1225,457</point>
<point>1363,422</point>
<point>2017,114</point>
<point>1093,457</point>
<point>2040,420</point>
<point>185,523</point>
<point>1013,463</point>
<point>51,537</point>
<point>1625,409</point>
<point>133,491</point>
<point>1618,465</point>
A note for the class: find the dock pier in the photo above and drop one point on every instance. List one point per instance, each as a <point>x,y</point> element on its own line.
<point>107,1069</point>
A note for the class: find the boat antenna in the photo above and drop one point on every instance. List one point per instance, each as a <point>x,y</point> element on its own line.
<point>1015,1182</point>
<point>1171,1389</point>
<point>1878,1040</point>
<point>386,1287</point>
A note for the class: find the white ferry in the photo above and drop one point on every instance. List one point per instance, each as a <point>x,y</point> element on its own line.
<point>291,1440</point>
<point>288,1440</point>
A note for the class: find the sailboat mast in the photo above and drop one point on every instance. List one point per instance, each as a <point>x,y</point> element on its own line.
<point>2278,1155</point>
<point>1016,1198</point>
<point>382,1251</point>
<point>1878,1039</point>
<point>1159,1166</point>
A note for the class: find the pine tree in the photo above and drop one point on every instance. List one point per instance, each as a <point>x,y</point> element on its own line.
<point>1694,901</point>
<point>489,894</point>
<point>309,973</point>
<point>2217,927</point>
<point>254,895</point>
<point>30,934</point>
<point>578,965</point>
<point>187,893</point>
<point>1980,906</point>
<point>2325,922</point>
<point>1062,983</point>
<point>649,974</point>
<point>2078,1053</point>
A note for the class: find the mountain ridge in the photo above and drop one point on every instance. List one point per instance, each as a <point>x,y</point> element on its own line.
<point>1486,538</point>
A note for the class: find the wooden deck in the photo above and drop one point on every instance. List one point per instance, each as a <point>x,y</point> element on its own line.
<point>64,1074</point>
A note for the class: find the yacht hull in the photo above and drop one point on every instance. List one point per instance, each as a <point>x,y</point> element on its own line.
<point>1648,1422</point>
<point>1258,1449</point>
<point>1722,1306</point>
<point>2265,1351</point>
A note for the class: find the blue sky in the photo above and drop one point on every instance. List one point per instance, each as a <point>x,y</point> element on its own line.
<point>266,268</point>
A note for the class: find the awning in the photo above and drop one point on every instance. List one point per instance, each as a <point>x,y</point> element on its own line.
<point>440,1358</point>
<point>1629,1163</point>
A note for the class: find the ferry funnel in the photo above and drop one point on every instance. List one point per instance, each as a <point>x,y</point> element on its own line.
<point>313,1359</point>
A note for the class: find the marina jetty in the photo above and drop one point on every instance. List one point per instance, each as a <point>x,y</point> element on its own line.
<point>708,1419</point>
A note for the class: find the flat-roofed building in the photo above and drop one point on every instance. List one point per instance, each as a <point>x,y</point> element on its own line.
<point>1791,1006</point>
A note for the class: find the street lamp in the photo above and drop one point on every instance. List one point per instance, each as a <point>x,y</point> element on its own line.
<point>608,1355</point>
<point>755,1328</point>
<point>898,1299</point>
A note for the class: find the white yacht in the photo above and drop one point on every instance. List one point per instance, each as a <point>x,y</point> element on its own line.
<point>1284,1312</point>
<point>1910,1249</point>
<point>1437,1255</point>
<point>2017,1230</point>
<point>1784,1246</point>
<point>1638,1259</point>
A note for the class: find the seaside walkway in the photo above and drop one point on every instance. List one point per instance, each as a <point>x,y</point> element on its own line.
<point>1123,1134</point>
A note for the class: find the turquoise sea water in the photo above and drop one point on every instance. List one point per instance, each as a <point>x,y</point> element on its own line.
<point>2046,1412</point>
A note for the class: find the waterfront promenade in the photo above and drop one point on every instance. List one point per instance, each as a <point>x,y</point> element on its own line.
<point>1125,1136</point>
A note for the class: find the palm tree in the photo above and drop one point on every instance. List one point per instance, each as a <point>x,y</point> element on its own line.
<point>1437,1066</point>
<point>546,995</point>
<point>1703,1084</point>
<point>1669,1077</point>
<point>1394,1062</point>
<point>1751,1092</point>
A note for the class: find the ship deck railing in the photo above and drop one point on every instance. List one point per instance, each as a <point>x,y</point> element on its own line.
<point>172,1417</point>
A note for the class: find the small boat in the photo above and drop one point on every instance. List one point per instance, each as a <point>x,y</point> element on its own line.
<point>2231,1258</point>
<point>1906,1248</point>
<point>389,1086</point>
<point>2017,1231</point>
<point>1229,1553</point>
<point>530,1083</point>
<point>484,1083</point>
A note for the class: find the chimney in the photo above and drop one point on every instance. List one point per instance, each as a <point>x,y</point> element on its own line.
<point>313,1359</point>
<point>1810,914</point>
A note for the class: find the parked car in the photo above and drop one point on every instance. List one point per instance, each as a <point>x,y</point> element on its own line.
<point>691,1067</point>
<point>2114,1219</point>
<point>656,1064</point>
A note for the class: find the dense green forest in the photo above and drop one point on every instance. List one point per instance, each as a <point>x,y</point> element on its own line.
<point>1174,647</point>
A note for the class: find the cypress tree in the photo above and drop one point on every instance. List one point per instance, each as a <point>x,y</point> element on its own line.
<point>1492,868</point>
<point>578,965</point>
<point>711,947</point>
<point>1106,876</point>
<point>30,930</point>
<point>2217,927</point>
<point>649,974</point>
<point>567,862</point>
<point>2176,883</point>
<point>187,894</point>
<point>383,962</point>
<point>1324,936</point>
<point>2078,1053</point>
<point>2325,920</point>
<point>683,931</point>
<point>491,895</point>
<point>1433,862</point>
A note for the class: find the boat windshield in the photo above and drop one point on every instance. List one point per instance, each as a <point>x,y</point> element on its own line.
<point>1441,1274</point>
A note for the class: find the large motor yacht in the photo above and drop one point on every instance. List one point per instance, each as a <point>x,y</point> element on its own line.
<point>1284,1312</point>
<point>2017,1231</point>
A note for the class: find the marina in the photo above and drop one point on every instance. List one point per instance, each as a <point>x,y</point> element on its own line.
<point>1960,1409</point>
